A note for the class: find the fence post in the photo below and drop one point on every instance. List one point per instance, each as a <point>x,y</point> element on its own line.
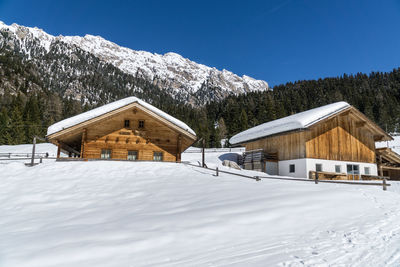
<point>33,151</point>
<point>202,154</point>
<point>216,171</point>
<point>384,184</point>
<point>316,177</point>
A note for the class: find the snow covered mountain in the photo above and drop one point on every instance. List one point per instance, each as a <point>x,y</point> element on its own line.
<point>183,79</point>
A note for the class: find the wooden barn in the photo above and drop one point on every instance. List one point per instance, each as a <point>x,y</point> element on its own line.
<point>128,129</point>
<point>335,140</point>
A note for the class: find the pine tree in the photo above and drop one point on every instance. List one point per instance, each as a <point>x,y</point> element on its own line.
<point>32,119</point>
<point>17,127</point>
<point>243,120</point>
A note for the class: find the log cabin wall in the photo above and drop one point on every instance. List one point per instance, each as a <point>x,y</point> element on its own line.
<point>112,134</point>
<point>340,138</point>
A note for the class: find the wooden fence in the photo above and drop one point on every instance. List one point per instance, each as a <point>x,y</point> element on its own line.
<point>383,184</point>
<point>23,155</point>
<point>214,150</point>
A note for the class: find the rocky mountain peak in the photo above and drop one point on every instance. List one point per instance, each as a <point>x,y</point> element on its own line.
<point>172,72</point>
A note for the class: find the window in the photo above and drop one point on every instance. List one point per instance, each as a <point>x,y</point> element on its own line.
<point>132,155</point>
<point>141,124</point>
<point>292,168</point>
<point>338,168</point>
<point>106,153</point>
<point>318,167</point>
<point>366,170</point>
<point>126,123</point>
<point>354,171</point>
<point>157,156</point>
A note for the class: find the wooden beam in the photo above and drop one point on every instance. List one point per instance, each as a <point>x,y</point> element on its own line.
<point>179,148</point>
<point>58,149</point>
<point>68,148</point>
<point>343,114</point>
<point>83,141</point>
<point>360,124</point>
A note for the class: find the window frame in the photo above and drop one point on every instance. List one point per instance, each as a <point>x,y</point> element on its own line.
<point>318,165</point>
<point>156,157</point>
<point>127,123</point>
<point>137,155</point>
<point>369,170</point>
<point>141,124</point>
<point>290,168</point>
<point>340,168</point>
<point>103,155</point>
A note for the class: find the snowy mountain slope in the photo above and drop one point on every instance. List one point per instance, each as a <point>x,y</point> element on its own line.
<point>168,214</point>
<point>179,76</point>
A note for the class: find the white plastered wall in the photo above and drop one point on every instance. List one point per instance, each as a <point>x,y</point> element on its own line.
<point>303,166</point>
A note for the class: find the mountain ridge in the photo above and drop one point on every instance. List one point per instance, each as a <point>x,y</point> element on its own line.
<point>181,77</point>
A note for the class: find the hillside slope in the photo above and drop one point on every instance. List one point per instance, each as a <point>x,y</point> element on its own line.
<point>167,214</point>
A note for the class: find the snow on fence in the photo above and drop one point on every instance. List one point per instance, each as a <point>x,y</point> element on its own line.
<point>384,183</point>
<point>215,150</point>
<point>22,155</point>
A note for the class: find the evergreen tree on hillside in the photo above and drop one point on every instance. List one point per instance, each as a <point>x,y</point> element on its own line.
<point>243,121</point>
<point>17,126</point>
<point>32,119</point>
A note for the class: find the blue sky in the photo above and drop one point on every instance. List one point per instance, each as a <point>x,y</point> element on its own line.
<point>277,41</point>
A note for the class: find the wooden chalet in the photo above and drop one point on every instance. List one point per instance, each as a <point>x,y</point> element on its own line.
<point>336,140</point>
<point>128,129</point>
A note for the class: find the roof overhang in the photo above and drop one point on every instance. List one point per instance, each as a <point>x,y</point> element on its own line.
<point>80,126</point>
<point>388,155</point>
<point>378,133</point>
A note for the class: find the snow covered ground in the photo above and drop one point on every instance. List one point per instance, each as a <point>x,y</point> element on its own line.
<point>27,148</point>
<point>168,214</point>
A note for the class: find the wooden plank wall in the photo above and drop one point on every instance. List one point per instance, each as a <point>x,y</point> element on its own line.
<point>340,139</point>
<point>155,137</point>
<point>287,146</point>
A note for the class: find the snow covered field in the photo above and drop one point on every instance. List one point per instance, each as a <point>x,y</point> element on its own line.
<point>27,148</point>
<point>168,214</point>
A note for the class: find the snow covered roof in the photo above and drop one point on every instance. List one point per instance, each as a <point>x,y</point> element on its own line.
<point>64,124</point>
<point>394,144</point>
<point>297,121</point>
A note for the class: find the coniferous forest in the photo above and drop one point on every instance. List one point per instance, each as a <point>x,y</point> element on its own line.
<point>32,107</point>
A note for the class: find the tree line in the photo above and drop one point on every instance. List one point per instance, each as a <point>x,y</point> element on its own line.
<point>27,107</point>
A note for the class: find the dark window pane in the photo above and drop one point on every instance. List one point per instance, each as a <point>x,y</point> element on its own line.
<point>105,153</point>
<point>132,155</point>
<point>141,124</point>
<point>291,168</point>
<point>318,167</point>
<point>157,156</point>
